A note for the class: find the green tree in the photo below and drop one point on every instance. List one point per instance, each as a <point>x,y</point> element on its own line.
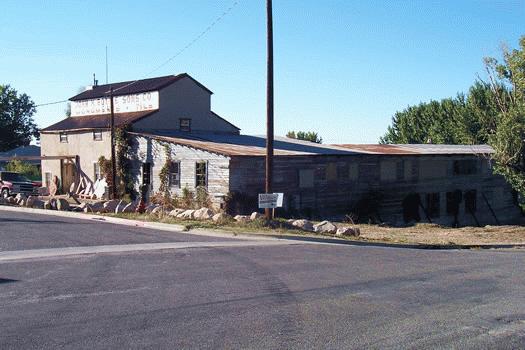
<point>17,127</point>
<point>29,170</point>
<point>464,119</point>
<point>508,140</point>
<point>305,136</point>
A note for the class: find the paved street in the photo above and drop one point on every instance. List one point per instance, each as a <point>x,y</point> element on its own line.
<point>193,291</point>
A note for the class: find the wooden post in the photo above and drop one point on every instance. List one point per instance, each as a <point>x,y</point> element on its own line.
<point>269,106</point>
<point>113,160</point>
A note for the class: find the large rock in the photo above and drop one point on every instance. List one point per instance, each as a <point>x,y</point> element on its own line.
<point>111,205</point>
<point>256,216</point>
<point>62,204</point>
<point>22,202</point>
<point>303,224</point>
<point>38,204</point>
<point>11,200</point>
<point>130,208</point>
<point>150,208</point>
<point>30,200</point>
<point>221,218</point>
<point>175,212</point>
<point>325,227</point>
<point>188,214</point>
<point>20,197</point>
<point>241,218</point>
<point>53,203</point>
<point>47,205</point>
<point>203,214</point>
<point>157,211</point>
<point>348,231</point>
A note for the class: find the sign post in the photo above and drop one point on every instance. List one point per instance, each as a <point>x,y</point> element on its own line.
<point>270,201</point>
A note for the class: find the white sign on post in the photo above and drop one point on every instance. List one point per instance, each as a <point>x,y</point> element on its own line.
<point>270,200</point>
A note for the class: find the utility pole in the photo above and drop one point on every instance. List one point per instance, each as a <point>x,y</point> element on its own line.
<point>113,160</point>
<point>269,106</point>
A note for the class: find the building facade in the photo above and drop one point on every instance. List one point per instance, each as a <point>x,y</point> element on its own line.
<point>173,127</point>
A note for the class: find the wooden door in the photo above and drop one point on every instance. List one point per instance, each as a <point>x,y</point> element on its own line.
<point>68,174</point>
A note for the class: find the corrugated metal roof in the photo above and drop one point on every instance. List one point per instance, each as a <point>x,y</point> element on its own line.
<point>421,149</point>
<point>247,145</point>
<point>100,121</point>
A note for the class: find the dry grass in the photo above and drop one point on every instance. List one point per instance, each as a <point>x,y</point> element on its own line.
<point>435,234</point>
<point>417,234</point>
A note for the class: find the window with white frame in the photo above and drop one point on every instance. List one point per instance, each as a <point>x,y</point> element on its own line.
<point>174,177</point>
<point>63,137</point>
<point>201,174</point>
<point>97,135</point>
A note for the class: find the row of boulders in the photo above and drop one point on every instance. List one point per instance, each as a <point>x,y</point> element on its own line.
<point>120,206</point>
<point>325,227</point>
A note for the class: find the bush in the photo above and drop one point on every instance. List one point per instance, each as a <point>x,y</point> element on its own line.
<point>29,170</point>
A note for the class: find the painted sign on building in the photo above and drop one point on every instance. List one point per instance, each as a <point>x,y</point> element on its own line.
<point>146,101</point>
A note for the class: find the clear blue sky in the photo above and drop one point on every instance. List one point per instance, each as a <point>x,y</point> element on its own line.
<point>342,68</point>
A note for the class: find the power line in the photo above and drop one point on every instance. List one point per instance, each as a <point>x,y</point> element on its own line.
<point>178,53</point>
<point>51,103</point>
<point>188,45</point>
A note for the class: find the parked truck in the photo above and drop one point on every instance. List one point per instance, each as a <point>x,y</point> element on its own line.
<point>12,183</point>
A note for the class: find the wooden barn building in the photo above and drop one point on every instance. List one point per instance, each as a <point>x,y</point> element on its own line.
<point>171,121</point>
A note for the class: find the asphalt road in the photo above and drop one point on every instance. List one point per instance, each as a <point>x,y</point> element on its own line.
<point>281,296</point>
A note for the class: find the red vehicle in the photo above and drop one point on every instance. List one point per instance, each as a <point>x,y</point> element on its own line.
<point>12,183</point>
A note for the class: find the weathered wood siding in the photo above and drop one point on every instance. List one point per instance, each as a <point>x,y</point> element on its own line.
<point>341,181</point>
<point>154,152</point>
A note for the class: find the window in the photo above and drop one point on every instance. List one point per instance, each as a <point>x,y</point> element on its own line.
<point>97,135</point>
<point>470,201</point>
<point>388,170</point>
<point>201,174</point>
<point>185,125</point>
<point>146,173</point>
<point>174,177</point>
<point>306,178</point>
<point>331,172</point>
<point>453,200</point>
<point>97,174</point>
<point>465,167</point>
<point>342,172</point>
<point>63,137</point>
<point>433,208</point>
<point>48,179</point>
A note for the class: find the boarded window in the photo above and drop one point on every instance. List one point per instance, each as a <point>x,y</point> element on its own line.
<point>433,205</point>
<point>174,176</point>
<point>97,135</point>
<point>388,170</point>
<point>471,201</point>
<point>97,174</point>
<point>331,172</point>
<point>306,178</point>
<point>185,124</point>
<point>433,169</point>
<point>353,171</point>
<point>465,167</point>
<point>63,137</point>
<point>201,174</point>
<point>342,172</point>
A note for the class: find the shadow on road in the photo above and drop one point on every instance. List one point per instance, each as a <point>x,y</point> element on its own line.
<point>7,280</point>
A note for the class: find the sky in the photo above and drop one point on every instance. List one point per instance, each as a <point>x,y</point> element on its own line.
<point>342,68</point>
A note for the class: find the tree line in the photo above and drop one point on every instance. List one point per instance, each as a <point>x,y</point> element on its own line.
<point>492,111</point>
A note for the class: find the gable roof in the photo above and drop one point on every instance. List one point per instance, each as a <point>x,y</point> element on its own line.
<point>133,87</point>
<point>224,120</point>
<point>100,121</point>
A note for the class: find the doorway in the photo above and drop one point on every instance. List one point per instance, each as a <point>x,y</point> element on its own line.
<point>68,173</point>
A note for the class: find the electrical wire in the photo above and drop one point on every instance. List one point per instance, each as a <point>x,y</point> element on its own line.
<point>178,53</point>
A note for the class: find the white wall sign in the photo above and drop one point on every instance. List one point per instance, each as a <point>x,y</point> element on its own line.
<point>270,200</point>
<point>146,101</point>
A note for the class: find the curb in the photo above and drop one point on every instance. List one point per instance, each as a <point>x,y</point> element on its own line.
<point>248,235</point>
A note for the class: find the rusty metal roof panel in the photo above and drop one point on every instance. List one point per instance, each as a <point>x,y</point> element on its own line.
<point>418,149</point>
<point>100,121</point>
